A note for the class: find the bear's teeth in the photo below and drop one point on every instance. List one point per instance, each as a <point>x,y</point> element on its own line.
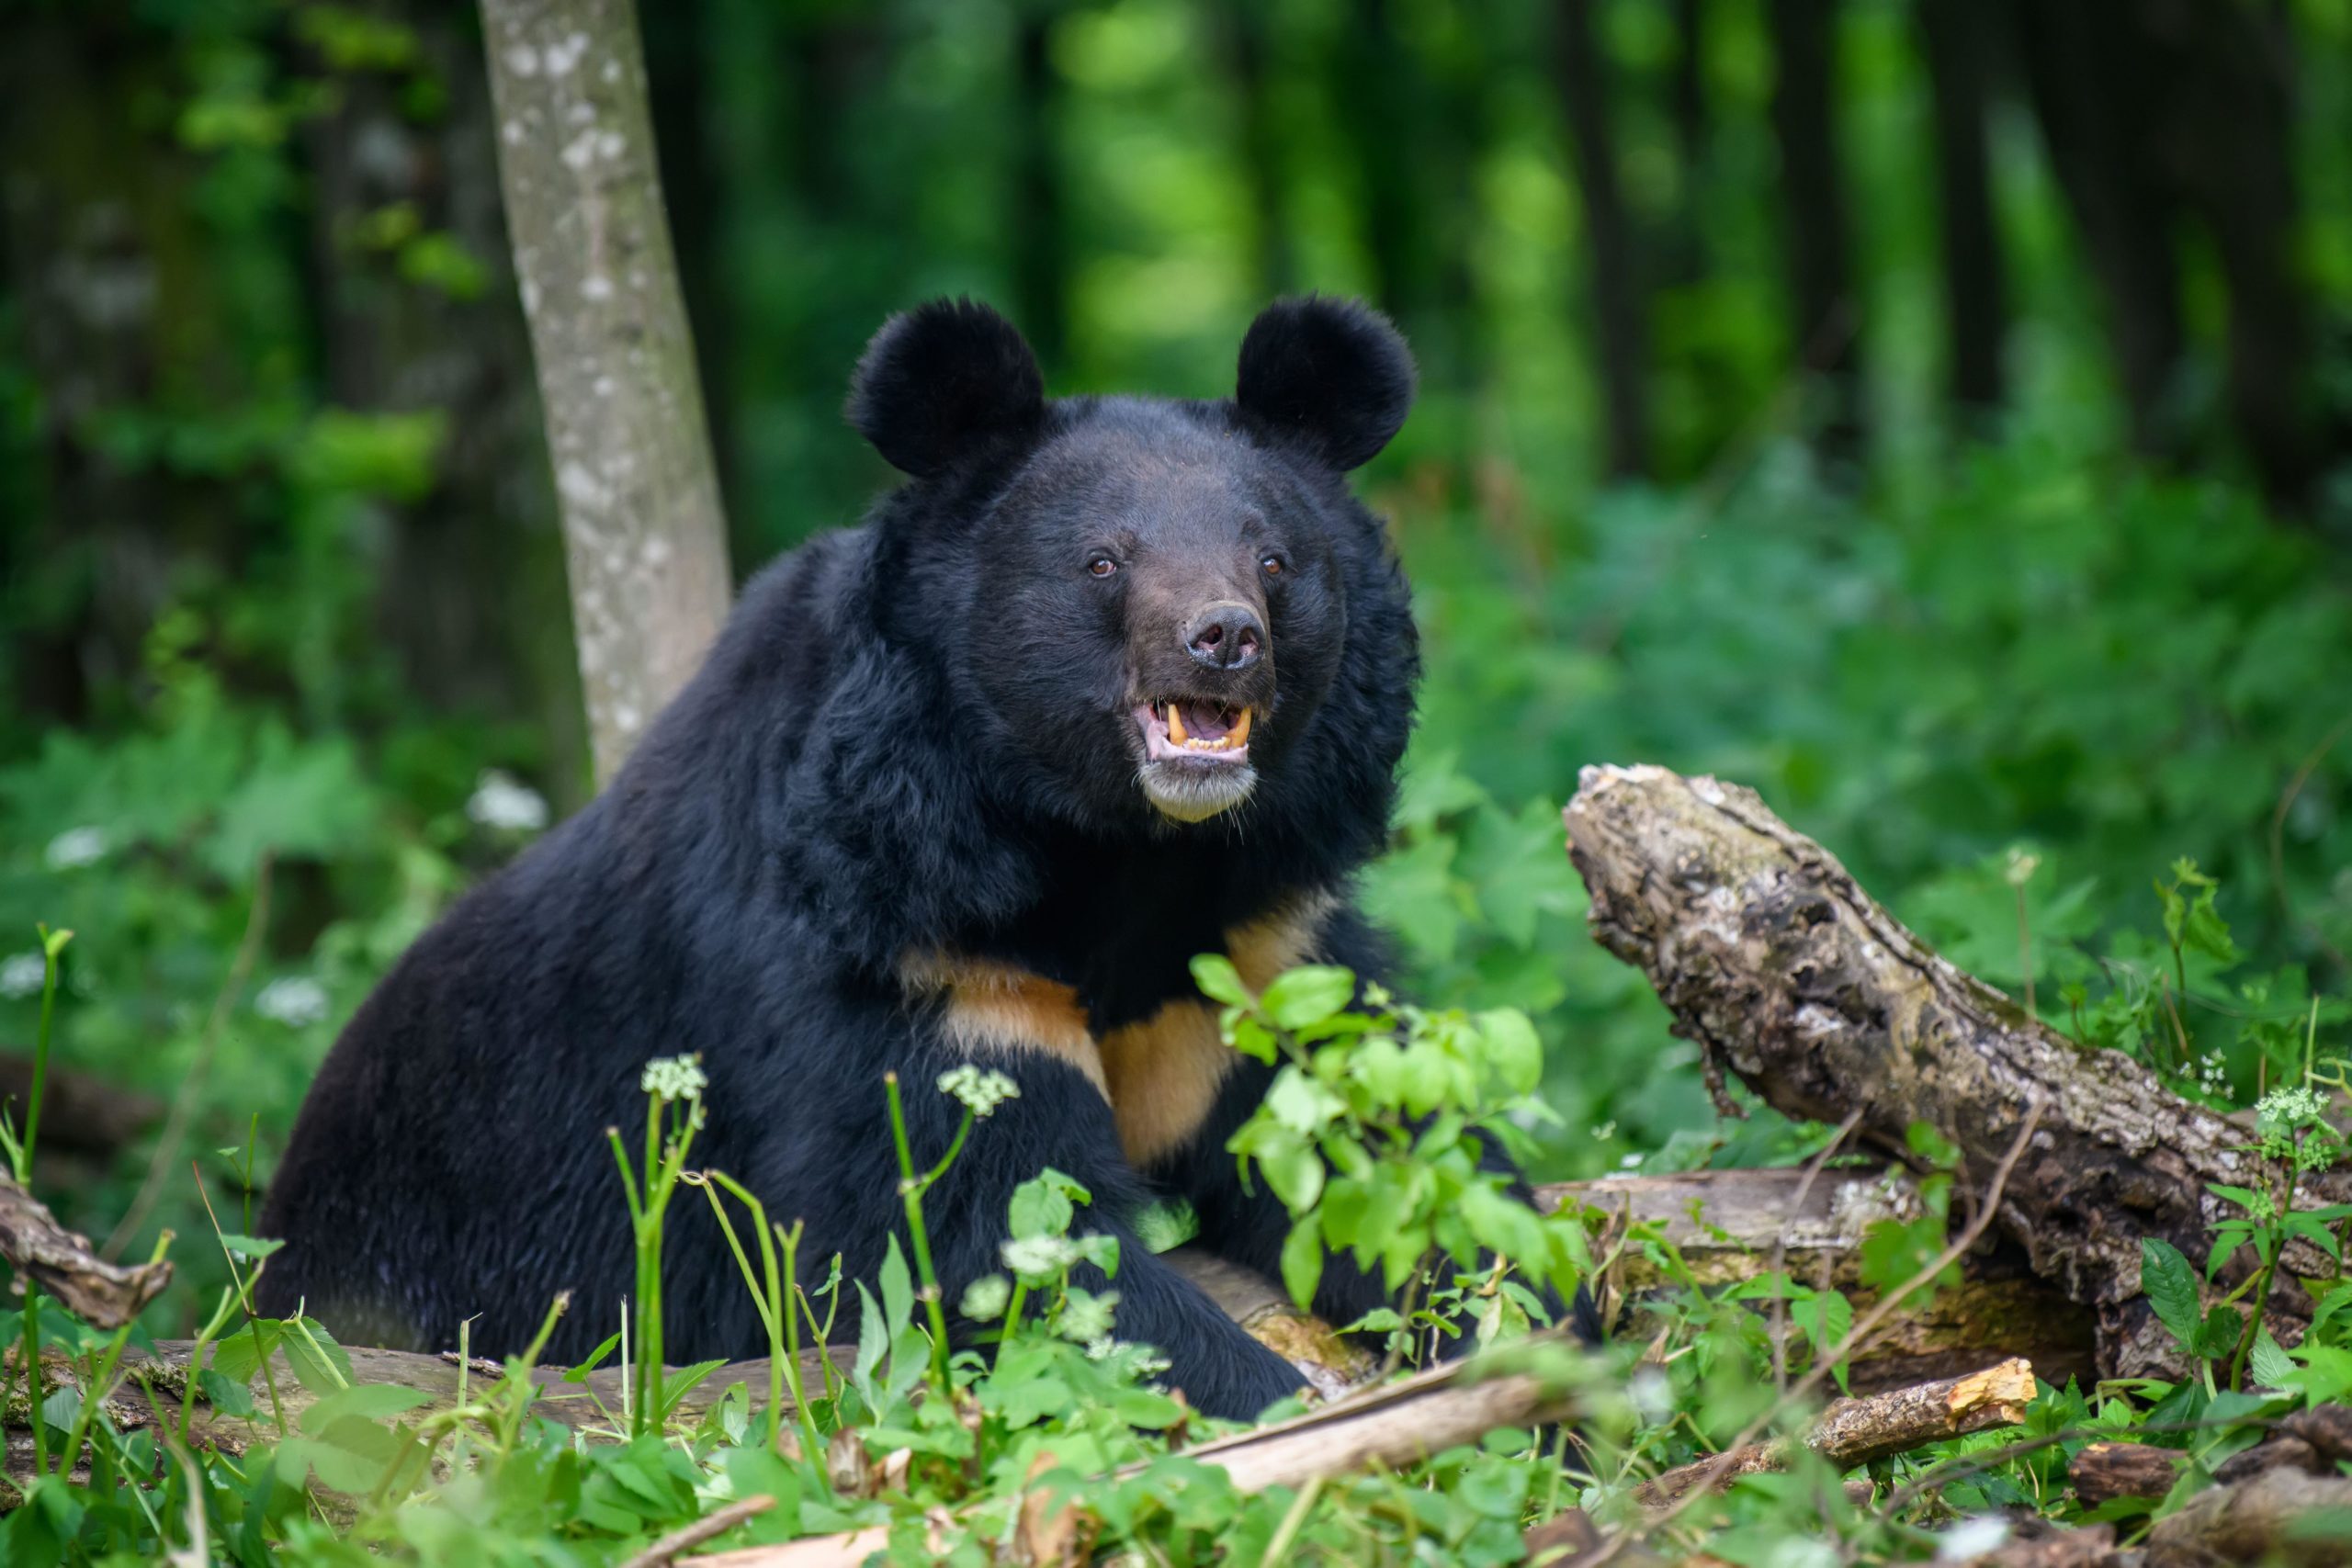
<point>1176,724</point>
<point>1239,734</point>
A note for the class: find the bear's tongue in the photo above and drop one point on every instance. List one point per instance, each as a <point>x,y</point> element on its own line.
<point>1199,722</point>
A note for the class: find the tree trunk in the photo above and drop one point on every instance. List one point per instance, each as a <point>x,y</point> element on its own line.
<point>1619,303</point>
<point>1777,964</point>
<point>1826,309</point>
<point>1245,28</point>
<point>471,594</point>
<point>2089,76</point>
<point>1040,224</point>
<point>644,542</point>
<point>1959,49</point>
<point>1686,243</point>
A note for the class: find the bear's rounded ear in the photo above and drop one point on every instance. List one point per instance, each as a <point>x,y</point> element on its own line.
<point>1331,371</point>
<point>941,379</point>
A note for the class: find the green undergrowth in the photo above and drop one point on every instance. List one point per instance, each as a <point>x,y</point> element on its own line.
<point>1048,1427</point>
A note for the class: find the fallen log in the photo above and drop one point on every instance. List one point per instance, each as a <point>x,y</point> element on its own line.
<point>2104,1471</point>
<point>1784,972</point>
<point>2283,1517</point>
<point>1726,1225</point>
<point>1850,1432</point>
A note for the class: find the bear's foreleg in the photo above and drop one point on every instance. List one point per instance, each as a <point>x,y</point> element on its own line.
<point>1060,1121</point>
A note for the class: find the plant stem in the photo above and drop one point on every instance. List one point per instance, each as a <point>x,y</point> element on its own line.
<point>910,1191</point>
<point>812,1447</point>
<point>2024,955</point>
<point>2276,1240</point>
<point>50,946</point>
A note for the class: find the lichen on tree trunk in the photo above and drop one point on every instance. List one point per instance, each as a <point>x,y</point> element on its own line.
<point>1781,968</point>
<point>645,542</point>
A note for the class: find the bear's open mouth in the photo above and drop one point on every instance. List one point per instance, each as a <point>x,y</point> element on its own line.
<point>1194,730</point>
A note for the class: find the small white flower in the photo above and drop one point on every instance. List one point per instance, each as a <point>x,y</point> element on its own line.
<point>1038,1257</point>
<point>1086,1317</point>
<point>1652,1395</point>
<point>22,974</point>
<point>985,1297</point>
<point>1631,1162</point>
<point>675,1078</point>
<point>501,802</point>
<point>75,847</point>
<point>982,1092</point>
<point>1973,1538</point>
<point>296,1001</point>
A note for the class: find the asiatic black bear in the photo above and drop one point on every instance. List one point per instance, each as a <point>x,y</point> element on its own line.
<point>1107,683</point>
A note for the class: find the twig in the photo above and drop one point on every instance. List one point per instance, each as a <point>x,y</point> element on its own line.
<point>1722,1464</point>
<point>685,1538</point>
<point>174,1132</point>
<point>103,1294</point>
<point>1856,1431</point>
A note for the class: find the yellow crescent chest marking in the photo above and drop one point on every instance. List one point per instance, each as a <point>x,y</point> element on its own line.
<point>1160,1076</point>
<point>989,1007</point>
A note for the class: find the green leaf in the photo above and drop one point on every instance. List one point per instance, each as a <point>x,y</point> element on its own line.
<point>224,1393</point>
<point>2218,1335</point>
<point>2271,1366</point>
<point>1296,1173</point>
<point>898,1288</point>
<point>252,1249</point>
<point>1219,981</point>
<point>2171,1289</point>
<point>1042,1205</point>
<point>320,1364</point>
<point>1513,1051</point>
<point>1302,1263</point>
<point>1299,1103</point>
<point>361,1401</point>
<point>1308,995</point>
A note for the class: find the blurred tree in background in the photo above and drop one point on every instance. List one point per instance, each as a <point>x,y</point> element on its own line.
<point>1933,413</point>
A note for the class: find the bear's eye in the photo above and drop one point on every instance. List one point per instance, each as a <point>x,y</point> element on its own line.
<point>1102,566</point>
<point>1272,566</point>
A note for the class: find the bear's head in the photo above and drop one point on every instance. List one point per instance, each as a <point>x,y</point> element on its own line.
<point>1148,613</point>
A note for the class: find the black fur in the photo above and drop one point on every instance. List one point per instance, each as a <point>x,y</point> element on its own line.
<point>942,379</point>
<point>913,735</point>
<point>1332,372</point>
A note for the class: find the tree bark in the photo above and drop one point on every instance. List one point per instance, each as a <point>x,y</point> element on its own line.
<point>1780,967</point>
<point>1826,308</point>
<point>645,542</point>
<point>104,1295</point>
<point>1039,230</point>
<point>1620,309</point>
<point>1958,49</point>
<point>2089,76</point>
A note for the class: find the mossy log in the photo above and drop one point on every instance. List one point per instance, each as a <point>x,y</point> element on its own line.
<point>1726,1225</point>
<point>1784,971</point>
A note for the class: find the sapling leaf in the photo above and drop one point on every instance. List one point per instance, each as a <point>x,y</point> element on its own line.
<point>1219,981</point>
<point>1303,1262</point>
<point>898,1288</point>
<point>2271,1366</point>
<point>2171,1289</point>
<point>1308,995</point>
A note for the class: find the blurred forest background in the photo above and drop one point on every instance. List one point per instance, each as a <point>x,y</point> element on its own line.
<point>1936,414</point>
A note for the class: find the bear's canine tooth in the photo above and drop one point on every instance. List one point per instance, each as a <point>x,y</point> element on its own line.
<point>1176,723</point>
<point>1239,734</point>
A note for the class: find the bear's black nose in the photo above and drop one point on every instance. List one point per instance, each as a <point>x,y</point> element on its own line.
<point>1225,636</point>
